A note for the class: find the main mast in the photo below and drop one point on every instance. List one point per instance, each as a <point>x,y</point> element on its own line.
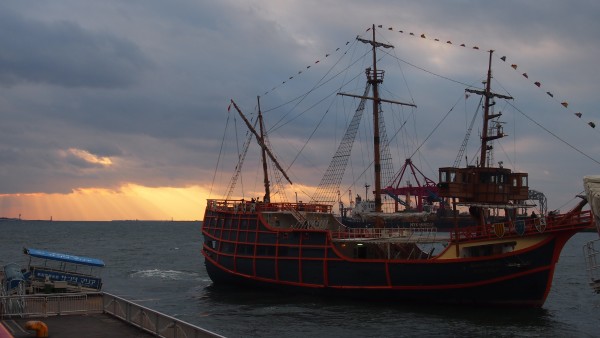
<point>374,78</point>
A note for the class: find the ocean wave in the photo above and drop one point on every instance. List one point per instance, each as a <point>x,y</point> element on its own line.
<point>164,274</point>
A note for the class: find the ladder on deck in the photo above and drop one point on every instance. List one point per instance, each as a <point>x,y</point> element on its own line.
<point>591,252</point>
<point>302,222</point>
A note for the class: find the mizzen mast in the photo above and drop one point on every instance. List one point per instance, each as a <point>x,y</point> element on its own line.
<point>260,138</point>
<point>267,197</point>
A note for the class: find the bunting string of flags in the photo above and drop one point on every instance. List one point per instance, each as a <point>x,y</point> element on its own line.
<point>307,68</point>
<point>538,84</point>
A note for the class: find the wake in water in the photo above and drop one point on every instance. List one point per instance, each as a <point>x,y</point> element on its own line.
<point>164,274</point>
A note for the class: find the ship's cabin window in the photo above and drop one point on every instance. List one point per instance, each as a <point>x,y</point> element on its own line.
<point>488,250</point>
<point>484,178</point>
<point>524,181</point>
<point>447,176</point>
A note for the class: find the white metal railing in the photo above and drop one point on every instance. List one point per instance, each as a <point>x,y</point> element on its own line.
<point>591,253</point>
<point>49,305</point>
<point>156,323</point>
<point>152,321</point>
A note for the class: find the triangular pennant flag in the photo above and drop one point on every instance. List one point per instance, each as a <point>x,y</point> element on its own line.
<point>380,26</point>
<point>462,45</point>
<point>390,29</point>
<point>514,66</point>
<point>503,58</point>
<point>412,33</point>
<point>317,61</point>
<point>526,76</point>
<point>550,94</point>
<point>423,36</point>
<point>337,49</point>
<point>326,55</point>
<point>436,39</point>
<point>565,104</point>
<point>537,84</point>
<point>449,42</point>
<point>368,29</point>
<point>401,31</point>
<point>578,115</point>
<point>592,124</point>
<point>475,47</point>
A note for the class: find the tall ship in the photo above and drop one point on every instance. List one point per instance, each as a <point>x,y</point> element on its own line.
<point>496,252</point>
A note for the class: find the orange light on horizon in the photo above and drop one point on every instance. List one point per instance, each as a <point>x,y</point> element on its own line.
<point>129,202</point>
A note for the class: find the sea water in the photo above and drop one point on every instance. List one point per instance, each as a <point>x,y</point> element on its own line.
<point>159,265</point>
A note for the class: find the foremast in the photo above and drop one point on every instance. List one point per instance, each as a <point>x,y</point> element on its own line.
<point>485,186</point>
<point>488,95</point>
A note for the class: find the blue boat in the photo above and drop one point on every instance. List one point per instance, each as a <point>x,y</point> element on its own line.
<point>53,272</point>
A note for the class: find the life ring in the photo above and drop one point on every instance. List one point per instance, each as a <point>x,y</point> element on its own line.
<point>40,328</point>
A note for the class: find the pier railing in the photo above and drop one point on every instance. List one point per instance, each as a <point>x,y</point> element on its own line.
<point>39,305</point>
<point>154,322</point>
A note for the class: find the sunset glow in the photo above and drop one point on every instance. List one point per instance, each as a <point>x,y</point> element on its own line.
<point>129,202</point>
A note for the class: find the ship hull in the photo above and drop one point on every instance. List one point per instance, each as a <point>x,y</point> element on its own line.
<point>527,290</point>
<point>244,251</point>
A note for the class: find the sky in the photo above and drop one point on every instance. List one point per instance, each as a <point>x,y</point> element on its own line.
<point>116,109</point>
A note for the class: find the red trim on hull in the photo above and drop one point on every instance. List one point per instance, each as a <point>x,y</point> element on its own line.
<point>389,286</point>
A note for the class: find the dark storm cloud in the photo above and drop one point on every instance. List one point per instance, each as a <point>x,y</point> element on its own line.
<point>65,54</point>
<point>147,83</point>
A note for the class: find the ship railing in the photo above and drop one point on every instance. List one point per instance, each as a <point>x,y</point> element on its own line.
<point>526,226</point>
<point>151,321</point>
<point>415,234</point>
<point>243,205</point>
<point>591,253</point>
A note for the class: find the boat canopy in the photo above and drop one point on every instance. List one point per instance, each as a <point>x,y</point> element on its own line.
<point>63,257</point>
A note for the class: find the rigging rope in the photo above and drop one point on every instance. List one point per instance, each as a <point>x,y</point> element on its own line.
<point>212,184</point>
<point>553,134</point>
<point>563,103</point>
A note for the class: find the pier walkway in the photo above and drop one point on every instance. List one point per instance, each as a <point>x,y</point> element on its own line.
<point>91,315</point>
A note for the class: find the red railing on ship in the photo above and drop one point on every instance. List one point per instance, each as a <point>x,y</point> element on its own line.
<point>577,221</point>
<point>373,233</point>
<point>243,205</point>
